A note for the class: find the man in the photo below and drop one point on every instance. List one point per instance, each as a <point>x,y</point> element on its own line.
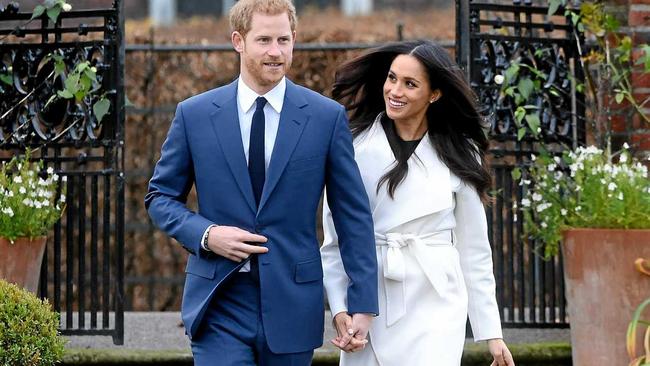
<point>260,151</point>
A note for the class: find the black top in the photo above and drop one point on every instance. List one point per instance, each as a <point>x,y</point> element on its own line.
<point>401,149</point>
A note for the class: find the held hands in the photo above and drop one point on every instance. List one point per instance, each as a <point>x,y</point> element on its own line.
<point>500,353</point>
<point>231,242</point>
<point>352,331</point>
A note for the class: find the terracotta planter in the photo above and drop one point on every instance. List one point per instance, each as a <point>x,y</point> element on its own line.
<point>20,262</point>
<point>603,288</point>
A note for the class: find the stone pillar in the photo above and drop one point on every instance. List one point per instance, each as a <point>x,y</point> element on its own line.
<point>162,12</point>
<point>356,7</point>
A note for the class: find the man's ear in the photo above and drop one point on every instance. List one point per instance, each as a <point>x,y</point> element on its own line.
<point>294,37</point>
<point>237,41</point>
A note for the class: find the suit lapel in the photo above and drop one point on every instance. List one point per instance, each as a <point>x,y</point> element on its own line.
<point>293,120</point>
<point>225,122</point>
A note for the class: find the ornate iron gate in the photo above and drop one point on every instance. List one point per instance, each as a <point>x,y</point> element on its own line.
<point>83,270</point>
<point>490,37</point>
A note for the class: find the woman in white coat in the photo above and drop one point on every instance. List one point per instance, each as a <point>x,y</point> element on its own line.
<point>421,149</point>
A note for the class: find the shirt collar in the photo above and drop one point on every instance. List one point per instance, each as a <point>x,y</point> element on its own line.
<point>275,97</point>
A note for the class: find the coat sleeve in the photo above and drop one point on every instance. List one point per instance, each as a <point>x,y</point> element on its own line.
<point>334,277</point>
<point>352,220</point>
<point>169,186</point>
<point>476,263</point>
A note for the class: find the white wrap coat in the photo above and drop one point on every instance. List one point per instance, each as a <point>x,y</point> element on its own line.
<point>435,261</point>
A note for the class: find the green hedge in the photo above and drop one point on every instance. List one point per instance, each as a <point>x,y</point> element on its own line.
<point>28,329</point>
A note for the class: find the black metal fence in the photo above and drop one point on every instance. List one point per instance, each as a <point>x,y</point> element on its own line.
<point>83,270</point>
<point>490,38</point>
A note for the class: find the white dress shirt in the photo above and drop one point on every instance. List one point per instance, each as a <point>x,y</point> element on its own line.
<point>245,109</point>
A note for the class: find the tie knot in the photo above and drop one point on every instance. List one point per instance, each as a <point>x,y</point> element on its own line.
<point>261,102</point>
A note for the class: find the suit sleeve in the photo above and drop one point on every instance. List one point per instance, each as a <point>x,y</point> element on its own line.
<point>334,277</point>
<point>476,263</point>
<point>169,186</point>
<point>352,220</point>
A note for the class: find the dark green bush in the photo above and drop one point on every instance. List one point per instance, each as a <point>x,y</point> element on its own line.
<point>28,329</point>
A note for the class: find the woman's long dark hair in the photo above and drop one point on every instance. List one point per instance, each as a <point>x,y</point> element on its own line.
<point>454,123</point>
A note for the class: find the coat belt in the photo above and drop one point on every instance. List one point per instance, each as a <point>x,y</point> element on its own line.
<point>391,245</point>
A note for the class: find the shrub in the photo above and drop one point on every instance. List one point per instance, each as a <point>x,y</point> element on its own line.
<point>28,329</point>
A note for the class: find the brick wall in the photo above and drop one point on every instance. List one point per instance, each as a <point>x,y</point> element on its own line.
<point>626,126</point>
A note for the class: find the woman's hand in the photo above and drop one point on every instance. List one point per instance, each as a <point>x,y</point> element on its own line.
<point>500,353</point>
<point>345,339</point>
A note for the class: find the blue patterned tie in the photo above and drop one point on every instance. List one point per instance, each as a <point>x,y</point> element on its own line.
<point>256,166</point>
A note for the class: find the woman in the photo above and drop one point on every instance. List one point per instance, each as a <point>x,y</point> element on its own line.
<point>421,150</point>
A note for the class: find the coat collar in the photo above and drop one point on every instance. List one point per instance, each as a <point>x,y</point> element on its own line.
<point>426,189</point>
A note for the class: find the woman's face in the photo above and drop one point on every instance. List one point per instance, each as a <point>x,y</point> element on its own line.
<point>407,92</point>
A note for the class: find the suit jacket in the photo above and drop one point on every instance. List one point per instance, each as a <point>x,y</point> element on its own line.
<point>415,326</point>
<point>313,149</point>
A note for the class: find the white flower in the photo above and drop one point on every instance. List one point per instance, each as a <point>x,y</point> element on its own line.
<point>533,157</point>
<point>557,159</point>
<point>578,188</point>
<point>55,177</point>
<point>563,212</point>
<point>42,182</point>
<point>30,173</point>
<point>62,198</point>
<point>64,179</point>
<point>50,170</point>
<point>537,197</point>
<point>623,158</point>
<point>543,206</point>
<point>626,146</point>
<point>526,202</point>
<point>603,181</point>
<point>543,225</point>
<point>18,179</point>
<point>10,193</point>
<point>551,167</point>
<point>37,204</point>
<point>578,208</point>
<point>27,202</point>
<point>498,79</point>
<point>8,211</point>
<point>611,186</point>
<point>22,190</point>
<point>46,203</point>
<point>620,196</point>
<point>67,7</point>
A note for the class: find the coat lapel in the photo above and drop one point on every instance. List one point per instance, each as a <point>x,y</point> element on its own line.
<point>225,122</point>
<point>293,120</point>
<point>426,189</point>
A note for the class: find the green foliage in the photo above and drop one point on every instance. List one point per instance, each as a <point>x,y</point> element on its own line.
<point>584,189</point>
<point>52,8</point>
<point>28,329</point>
<point>29,205</point>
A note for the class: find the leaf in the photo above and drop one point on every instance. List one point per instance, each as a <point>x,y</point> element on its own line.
<point>59,67</point>
<point>520,113</point>
<point>90,74</point>
<point>533,122</point>
<point>510,91</point>
<point>53,13</point>
<point>7,78</point>
<point>580,88</point>
<point>101,108</point>
<point>65,93</point>
<point>72,83</point>
<point>525,87</point>
<point>511,73</point>
<point>516,173</point>
<point>50,100</point>
<point>554,92</point>
<point>619,97</point>
<point>553,6</point>
<point>38,11</point>
<point>521,133</point>
<point>645,59</point>
<point>79,95</point>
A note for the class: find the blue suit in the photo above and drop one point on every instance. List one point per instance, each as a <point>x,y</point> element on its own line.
<point>313,149</point>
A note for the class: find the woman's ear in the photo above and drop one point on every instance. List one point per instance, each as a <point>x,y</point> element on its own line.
<point>435,95</point>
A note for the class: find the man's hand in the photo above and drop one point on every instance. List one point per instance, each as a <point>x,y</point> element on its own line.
<point>345,339</point>
<point>361,324</point>
<point>500,353</point>
<point>231,242</point>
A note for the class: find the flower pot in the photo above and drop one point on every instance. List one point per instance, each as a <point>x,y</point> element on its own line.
<point>20,262</point>
<point>603,288</point>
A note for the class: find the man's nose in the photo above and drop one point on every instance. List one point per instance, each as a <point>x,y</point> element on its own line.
<point>274,50</point>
